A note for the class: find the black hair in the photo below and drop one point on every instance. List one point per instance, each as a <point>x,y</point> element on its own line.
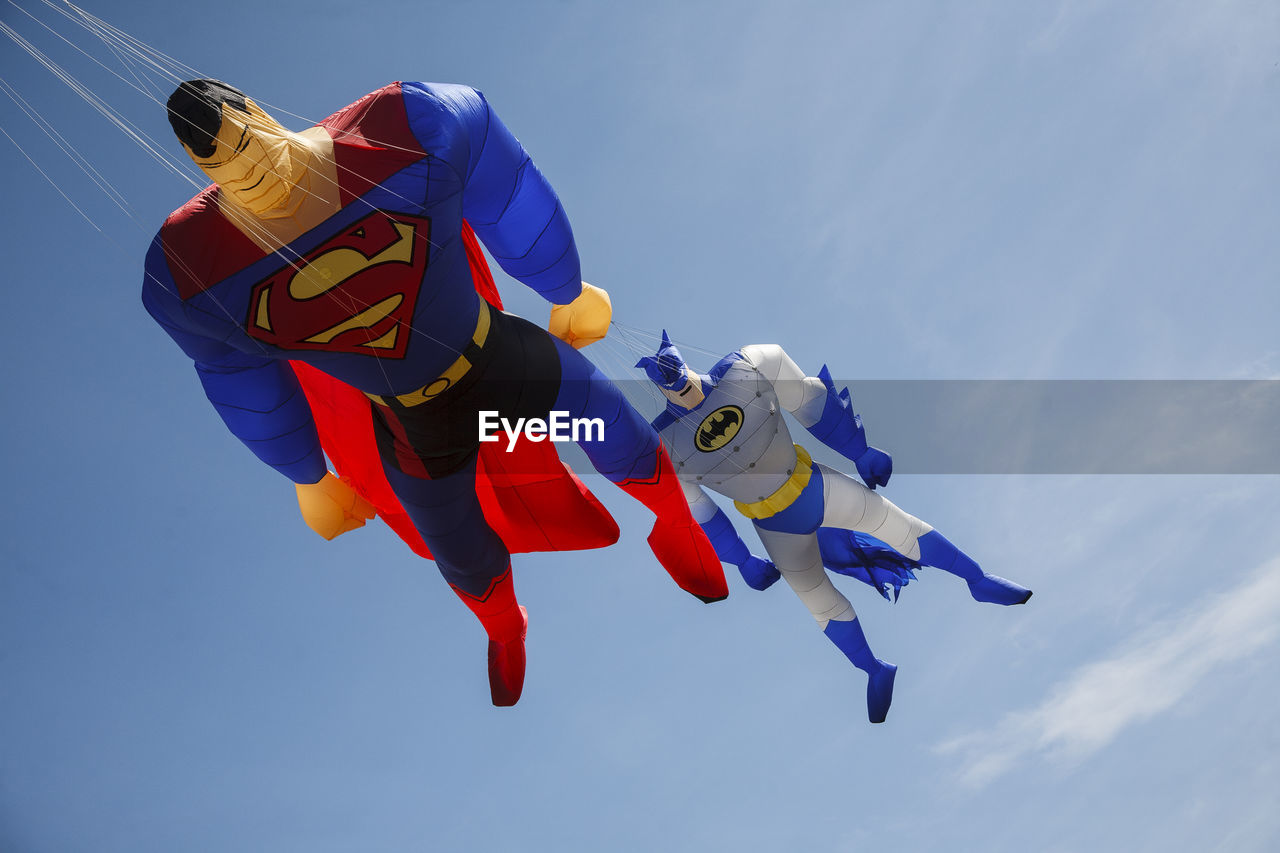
<point>195,112</point>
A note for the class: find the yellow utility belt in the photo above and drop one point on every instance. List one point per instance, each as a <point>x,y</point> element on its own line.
<point>452,373</point>
<point>786,494</point>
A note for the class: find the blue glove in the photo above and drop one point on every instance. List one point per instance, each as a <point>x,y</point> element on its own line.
<point>874,466</point>
<point>841,429</point>
<point>759,574</point>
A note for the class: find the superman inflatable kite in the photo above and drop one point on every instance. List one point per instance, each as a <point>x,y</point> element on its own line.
<point>330,290</point>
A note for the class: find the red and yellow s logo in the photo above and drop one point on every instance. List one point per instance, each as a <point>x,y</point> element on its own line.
<point>353,293</point>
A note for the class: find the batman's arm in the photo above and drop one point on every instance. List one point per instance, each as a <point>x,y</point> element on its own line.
<point>826,413</point>
<point>758,573</point>
<point>258,398</point>
<point>801,395</point>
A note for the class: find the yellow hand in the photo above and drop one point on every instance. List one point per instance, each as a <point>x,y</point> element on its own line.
<point>583,321</point>
<point>331,507</point>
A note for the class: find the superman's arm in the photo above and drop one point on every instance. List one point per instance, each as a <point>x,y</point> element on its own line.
<point>511,206</point>
<point>826,413</point>
<point>261,403</point>
<point>508,202</point>
<point>257,397</point>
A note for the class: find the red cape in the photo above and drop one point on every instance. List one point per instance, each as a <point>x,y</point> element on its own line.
<point>530,498</point>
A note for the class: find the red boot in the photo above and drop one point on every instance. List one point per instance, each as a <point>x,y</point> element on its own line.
<point>676,539</point>
<point>506,622</point>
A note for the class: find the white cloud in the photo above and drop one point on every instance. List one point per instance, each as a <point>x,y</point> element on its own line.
<point>1264,366</point>
<point>1149,674</point>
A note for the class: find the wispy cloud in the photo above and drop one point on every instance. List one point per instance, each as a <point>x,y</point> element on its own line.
<point>1145,677</point>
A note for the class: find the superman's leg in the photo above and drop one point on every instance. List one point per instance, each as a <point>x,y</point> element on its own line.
<point>853,506</point>
<point>798,558</point>
<point>474,561</point>
<point>629,453</point>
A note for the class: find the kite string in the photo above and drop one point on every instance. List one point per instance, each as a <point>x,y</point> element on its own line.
<point>173,164</point>
<point>137,85</point>
<point>106,33</point>
<point>51,181</point>
<point>123,45</point>
<point>67,148</point>
<point>635,339</point>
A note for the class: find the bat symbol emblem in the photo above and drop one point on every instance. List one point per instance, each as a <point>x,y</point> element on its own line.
<point>718,428</point>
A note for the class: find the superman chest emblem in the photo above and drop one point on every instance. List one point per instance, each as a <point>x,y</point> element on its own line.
<point>354,293</point>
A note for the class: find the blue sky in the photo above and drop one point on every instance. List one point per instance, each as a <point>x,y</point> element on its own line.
<point>989,190</point>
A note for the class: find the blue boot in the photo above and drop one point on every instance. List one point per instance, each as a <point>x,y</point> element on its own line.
<point>849,639</point>
<point>937,551</point>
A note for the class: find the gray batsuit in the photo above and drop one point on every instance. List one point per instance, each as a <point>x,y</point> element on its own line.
<point>736,442</point>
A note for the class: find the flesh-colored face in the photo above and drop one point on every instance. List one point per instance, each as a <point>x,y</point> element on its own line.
<point>252,163</point>
<point>690,394</point>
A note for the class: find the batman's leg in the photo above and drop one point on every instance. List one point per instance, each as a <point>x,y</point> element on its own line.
<point>937,550</point>
<point>629,453</point>
<point>800,562</point>
<point>853,506</point>
<point>475,562</point>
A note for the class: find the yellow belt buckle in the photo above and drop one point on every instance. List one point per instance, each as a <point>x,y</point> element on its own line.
<point>786,494</point>
<point>452,373</point>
